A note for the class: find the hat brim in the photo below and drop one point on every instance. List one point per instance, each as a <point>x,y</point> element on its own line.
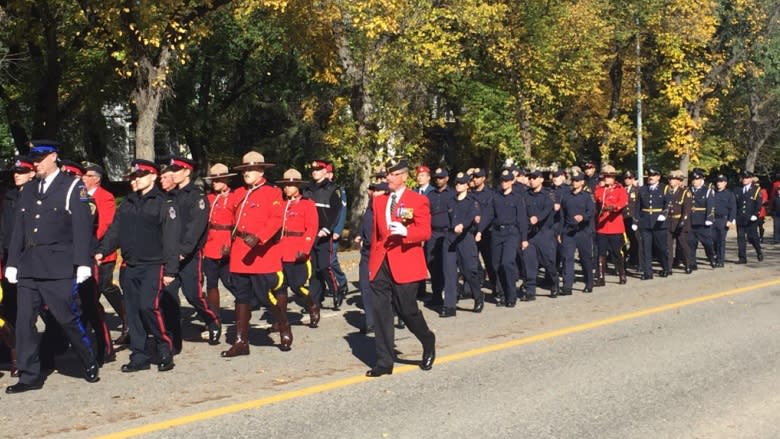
<point>136,174</point>
<point>291,182</point>
<point>219,176</point>
<point>248,166</point>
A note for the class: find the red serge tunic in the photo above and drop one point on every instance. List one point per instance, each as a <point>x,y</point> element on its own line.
<point>106,209</point>
<point>259,211</point>
<point>610,202</point>
<point>220,224</point>
<point>301,224</point>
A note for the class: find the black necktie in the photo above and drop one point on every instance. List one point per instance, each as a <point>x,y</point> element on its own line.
<point>41,186</point>
<point>393,204</point>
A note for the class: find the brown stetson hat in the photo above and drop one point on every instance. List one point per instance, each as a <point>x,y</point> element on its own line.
<point>252,160</point>
<point>291,177</point>
<point>219,170</point>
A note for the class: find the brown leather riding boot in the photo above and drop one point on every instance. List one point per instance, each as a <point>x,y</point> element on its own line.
<point>620,264</point>
<point>8,337</point>
<point>601,267</point>
<point>241,345</point>
<point>314,312</point>
<point>212,297</point>
<point>285,333</point>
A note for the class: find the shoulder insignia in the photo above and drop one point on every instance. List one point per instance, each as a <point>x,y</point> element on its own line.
<point>172,212</point>
<point>276,203</point>
<point>202,204</point>
<point>83,195</point>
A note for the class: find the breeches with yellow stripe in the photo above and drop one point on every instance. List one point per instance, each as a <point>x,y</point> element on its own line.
<point>252,287</point>
<point>296,277</point>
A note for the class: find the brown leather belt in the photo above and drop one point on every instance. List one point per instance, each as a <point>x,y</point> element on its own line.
<point>241,234</point>
<point>293,233</point>
<point>220,227</point>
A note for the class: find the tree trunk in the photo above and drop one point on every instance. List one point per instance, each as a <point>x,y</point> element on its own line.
<point>616,80</point>
<point>525,126</point>
<point>151,88</point>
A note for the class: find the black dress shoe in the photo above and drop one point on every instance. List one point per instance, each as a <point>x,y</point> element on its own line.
<point>429,353</point>
<point>646,276</point>
<point>688,270</point>
<point>400,324</point>
<point>166,364</point>
<point>134,367</point>
<point>447,312</point>
<point>588,290</point>
<point>566,292</point>
<point>760,257</point>
<point>91,373</point>
<point>741,261</point>
<point>215,332</point>
<point>338,297</point>
<point>527,298</point>
<point>663,273</point>
<point>511,304</point>
<point>379,371</point>
<point>23,387</point>
<point>367,329</point>
<point>479,305</point>
<point>693,267</point>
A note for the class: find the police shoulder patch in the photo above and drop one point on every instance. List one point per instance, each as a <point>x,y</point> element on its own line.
<point>202,204</point>
<point>83,194</point>
<point>172,212</point>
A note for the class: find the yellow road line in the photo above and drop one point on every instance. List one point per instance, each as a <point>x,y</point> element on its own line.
<point>321,388</point>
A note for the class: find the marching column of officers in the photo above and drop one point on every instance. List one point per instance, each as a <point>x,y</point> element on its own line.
<point>61,232</point>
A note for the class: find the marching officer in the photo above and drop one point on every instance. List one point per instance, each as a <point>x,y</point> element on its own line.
<point>748,206</point>
<point>541,239</point>
<point>49,256</point>
<point>299,230</point>
<point>170,305</point>
<point>147,230</point>
<point>578,212</point>
<point>23,172</point>
<point>484,196</point>
<point>702,218</point>
<point>460,248</point>
<point>423,178</point>
<point>680,204</point>
<point>255,261</point>
<point>631,220</point>
<point>193,207</point>
<point>591,176</point>
<point>435,246</point>
<point>106,209</point>
<point>508,219</point>
<point>216,250</point>
<point>725,205</point>
<point>327,198</point>
<point>652,223</point>
<point>611,199</point>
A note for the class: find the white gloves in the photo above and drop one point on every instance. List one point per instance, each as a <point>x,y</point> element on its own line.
<point>708,223</point>
<point>10,275</point>
<point>753,218</point>
<point>634,227</point>
<point>662,218</point>
<point>83,273</point>
<point>396,228</point>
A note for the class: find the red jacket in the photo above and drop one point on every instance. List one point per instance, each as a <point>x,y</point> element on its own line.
<point>106,208</point>
<point>260,213</point>
<point>220,224</point>
<point>405,255</point>
<point>764,203</point>
<point>610,202</point>
<point>300,228</point>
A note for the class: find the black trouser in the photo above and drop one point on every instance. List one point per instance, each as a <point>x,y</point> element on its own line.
<point>143,289</point>
<point>296,275</point>
<point>61,297</point>
<point>747,233</point>
<point>365,287</point>
<point>94,314</point>
<point>504,249</point>
<point>484,247</point>
<point>540,252</point>
<point>389,295</point>
<point>677,243</point>
<point>776,227</point>
<point>107,288</point>
<point>460,254</point>
<point>654,242</point>
<point>254,288</point>
<point>701,234</point>
<point>434,257</point>
<point>635,253</point>
<point>580,241</point>
<point>323,278</point>
<point>719,232</point>
<point>190,279</point>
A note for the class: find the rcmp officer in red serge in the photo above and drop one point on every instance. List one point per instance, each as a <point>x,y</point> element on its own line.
<point>255,262</point>
<point>49,256</point>
<point>299,230</point>
<point>106,209</point>
<point>193,208</point>
<point>147,229</point>
<point>216,251</point>
<point>402,222</point>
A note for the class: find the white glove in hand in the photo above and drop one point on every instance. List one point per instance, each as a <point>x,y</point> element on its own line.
<point>753,218</point>
<point>83,273</point>
<point>708,223</point>
<point>397,228</point>
<point>10,275</point>
<point>662,218</point>
<point>634,227</point>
